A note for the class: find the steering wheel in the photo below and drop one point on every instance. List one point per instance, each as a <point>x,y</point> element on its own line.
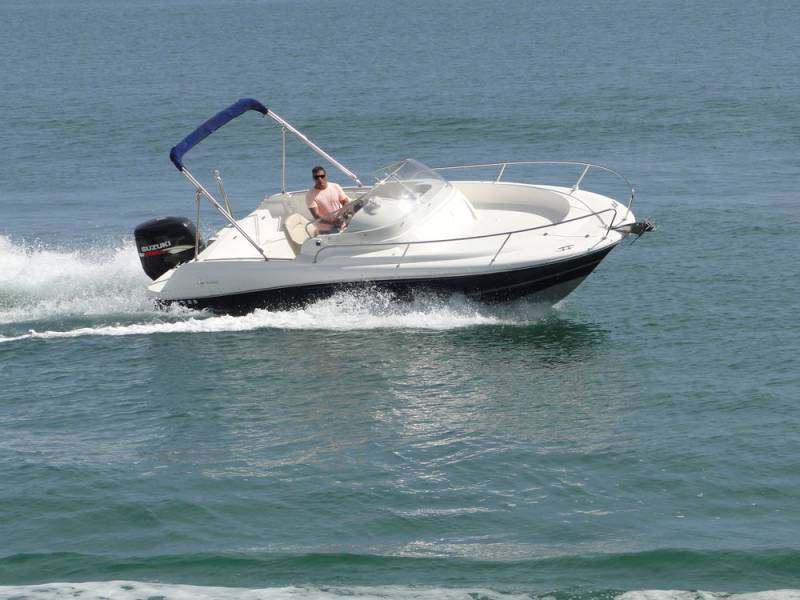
<point>345,214</point>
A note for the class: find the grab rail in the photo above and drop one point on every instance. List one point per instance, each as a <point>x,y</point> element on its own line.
<point>576,186</point>
<point>507,234</point>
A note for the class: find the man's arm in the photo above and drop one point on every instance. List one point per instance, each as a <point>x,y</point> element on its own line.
<point>315,213</point>
<point>342,196</point>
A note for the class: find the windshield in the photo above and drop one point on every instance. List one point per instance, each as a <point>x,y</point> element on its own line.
<point>406,181</point>
<point>405,191</point>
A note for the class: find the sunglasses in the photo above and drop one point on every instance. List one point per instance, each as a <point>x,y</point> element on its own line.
<point>319,176</point>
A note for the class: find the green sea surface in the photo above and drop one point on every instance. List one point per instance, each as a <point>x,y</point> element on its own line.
<point>639,441</point>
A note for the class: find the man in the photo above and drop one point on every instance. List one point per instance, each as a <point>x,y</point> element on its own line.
<point>323,199</point>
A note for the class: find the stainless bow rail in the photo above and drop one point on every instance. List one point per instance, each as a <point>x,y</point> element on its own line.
<point>576,186</point>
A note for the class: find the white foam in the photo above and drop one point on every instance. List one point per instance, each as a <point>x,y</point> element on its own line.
<point>135,590</point>
<point>701,595</point>
<point>342,312</point>
<point>41,282</point>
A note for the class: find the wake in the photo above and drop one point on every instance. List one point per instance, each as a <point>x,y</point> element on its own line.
<point>41,287</point>
<point>38,282</point>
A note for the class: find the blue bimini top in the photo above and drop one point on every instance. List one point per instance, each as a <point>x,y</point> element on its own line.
<point>211,125</point>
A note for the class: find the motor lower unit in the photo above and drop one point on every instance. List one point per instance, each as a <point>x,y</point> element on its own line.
<point>165,242</point>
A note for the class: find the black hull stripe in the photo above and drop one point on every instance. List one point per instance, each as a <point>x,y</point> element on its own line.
<point>486,287</point>
<point>565,275</point>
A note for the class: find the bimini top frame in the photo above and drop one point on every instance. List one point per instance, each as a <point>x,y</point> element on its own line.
<point>226,116</point>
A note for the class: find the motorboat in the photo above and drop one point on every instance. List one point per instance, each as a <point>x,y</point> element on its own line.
<point>415,229</point>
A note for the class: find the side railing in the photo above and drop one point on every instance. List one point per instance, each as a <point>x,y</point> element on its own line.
<point>505,236</point>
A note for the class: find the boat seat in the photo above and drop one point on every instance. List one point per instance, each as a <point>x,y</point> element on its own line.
<point>298,230</point>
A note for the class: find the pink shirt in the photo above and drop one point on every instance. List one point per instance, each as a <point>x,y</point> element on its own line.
<point>326,201</point>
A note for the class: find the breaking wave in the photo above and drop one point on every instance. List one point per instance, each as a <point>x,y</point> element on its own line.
<point>135,590</point>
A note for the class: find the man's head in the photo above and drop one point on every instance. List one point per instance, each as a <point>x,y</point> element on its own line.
<point>320,177</point>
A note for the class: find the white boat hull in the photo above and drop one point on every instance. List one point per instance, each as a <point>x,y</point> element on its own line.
<point>547,283</point>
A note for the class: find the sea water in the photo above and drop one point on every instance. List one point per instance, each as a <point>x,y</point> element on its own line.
<point>638,441</point>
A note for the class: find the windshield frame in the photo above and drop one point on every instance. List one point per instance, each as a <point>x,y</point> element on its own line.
<point>408,174</point>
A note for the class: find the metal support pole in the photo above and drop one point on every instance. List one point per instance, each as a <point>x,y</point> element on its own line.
<point>283,160</point>
<point>221,210</point>
<point>578,183</point>
<point>317,149</point>
<point>224,194</point>
<point>197,196</point>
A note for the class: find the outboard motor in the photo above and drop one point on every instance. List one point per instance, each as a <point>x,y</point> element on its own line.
<point>164,243</point>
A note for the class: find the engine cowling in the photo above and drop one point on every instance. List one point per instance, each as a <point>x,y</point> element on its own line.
<point>165,242</point>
